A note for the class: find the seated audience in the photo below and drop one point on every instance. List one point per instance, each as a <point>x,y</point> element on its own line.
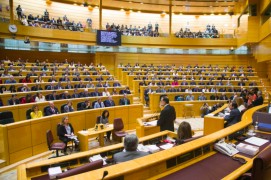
<point>189,97</point>
<point>65,95</point>
<point>202,97</point>
<point>66,133</point>
<point>106,92</point>
<point>27,99</point>
<point>234,116</point>
<point>184,132</point>
<point>26,79</point>
<point>259,100</point>
<point>36,113</point>
<point>124,100</point>
<point>39,97</point>
<point>54,96</point>
<point>104,120</point>
<point>52,109</point>
<point>99,104</point>
<point>68,107</point>
<point>204,109</point>
<point>11,80</point>
<point>75,93</point>
<point>87,105</point>
<point>13,100</point>
<point>109,102</point>
<point>130,153</point>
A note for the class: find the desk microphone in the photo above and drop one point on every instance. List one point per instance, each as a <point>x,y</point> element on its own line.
<point>105,174</point>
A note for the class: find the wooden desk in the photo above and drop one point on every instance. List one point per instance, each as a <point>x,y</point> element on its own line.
<point>21,140</point>
<point>142,130</point>
<point>83,136</point>
<point>34,169</point>
<point>163,161</point>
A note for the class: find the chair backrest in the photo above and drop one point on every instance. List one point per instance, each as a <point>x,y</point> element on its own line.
<point>84,168</point>
<point>261,169</point>
<point>47,97</point>
<point>45,109</point>
<point>21,98</point>
<point>62,108</point>
<point>58,129</point>
<point>118,124</point>
<point>121,91</point>
<point>6,117</point>
<point>50,138</point>
<point>28,114</point>
<point>80,106</point>
<point>98,119</point>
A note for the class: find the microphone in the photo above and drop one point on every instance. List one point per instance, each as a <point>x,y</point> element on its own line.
<point>105,174</point>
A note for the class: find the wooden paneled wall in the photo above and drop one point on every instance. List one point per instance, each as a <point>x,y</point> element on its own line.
<point>84,58</point>
<point>5,5</point>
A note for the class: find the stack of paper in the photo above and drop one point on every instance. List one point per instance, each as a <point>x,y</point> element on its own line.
<point>247,149</point>
<point>167,146</point>
<point>153,148</point>
<point>256,141</point>
<point>97,157</point>
<point>151,123</point>
<point>53,171</point>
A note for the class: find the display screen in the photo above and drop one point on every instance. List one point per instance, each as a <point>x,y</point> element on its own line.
<point>108,38</point>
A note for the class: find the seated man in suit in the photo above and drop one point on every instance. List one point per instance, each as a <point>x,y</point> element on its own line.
<point>223,96</point>
<point>109,102</point>
<point>75,93</point>
<point>124,100</point>
<point>66,95</point>
<point>50,87</point>
<point>259,100</point>
<point>99,104</point>
<point>189,97</point>
<point>11,80</point>
<point>202,97</point>
<point>116,84</point>
<point>235,115</point>
<point>241,83</point>
<point>130,153</point>
<point>86,105</point>
<point>69,85</point>
<point>80,85</point>
<point>147,91</point>
<point>13,100</point>
<point>59,85</point>
<point>54,96</point>
<point>68,107</point>
<point>52,109</point>
<point>95,93</point>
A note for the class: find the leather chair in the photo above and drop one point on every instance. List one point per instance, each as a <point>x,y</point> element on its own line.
<point>47,97</point>
<point>6,117</point>
<point>82,169</point>
<point>118,129</point>
<point>54,146</point>
<point>80,106</point>
<point>98,119</point>
<point>261,169</point>
<point>45,109</point>
<point>62,108</point>
<point>28,114</point>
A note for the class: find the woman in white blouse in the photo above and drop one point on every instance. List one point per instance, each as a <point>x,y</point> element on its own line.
<point>106,92</point>
<point>39,97</point>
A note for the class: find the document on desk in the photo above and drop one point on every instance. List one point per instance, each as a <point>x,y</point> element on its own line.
<point>256,141</point>
<point>83,132</point>
<point>167,146</point>
<point>96,158</point>
<point>151,123</point>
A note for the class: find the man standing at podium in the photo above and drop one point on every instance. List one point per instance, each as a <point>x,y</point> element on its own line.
<point>167,115</point>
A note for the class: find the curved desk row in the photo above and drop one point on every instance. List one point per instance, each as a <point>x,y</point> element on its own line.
<point>168,161</point>
<point>135,84</point>
<point>46,78</point>
<point>21,140</point>
<point>19,111</point>
<point>126,73</point>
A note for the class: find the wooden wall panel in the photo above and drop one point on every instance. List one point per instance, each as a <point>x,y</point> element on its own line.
<point>4,13</point>
<point>84,58</point>
<point>55,9</point>
<point>107,59</point>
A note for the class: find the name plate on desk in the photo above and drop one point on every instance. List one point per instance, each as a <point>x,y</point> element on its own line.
<point>99,127</point>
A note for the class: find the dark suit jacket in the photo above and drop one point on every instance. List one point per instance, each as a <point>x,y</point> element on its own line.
<point>50,112</point>
<point>122,102</point>
<point>108,103</point>
<point>258,101</point>
<point>54,97</point>
<point>62,131</point>
<point>167,118</point>
<point>234,117</point>
<point>10,102</point>
<point>76,96</point>
<point>128,155</point>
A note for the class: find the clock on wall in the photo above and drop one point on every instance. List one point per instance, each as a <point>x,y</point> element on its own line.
<point>12,28</point>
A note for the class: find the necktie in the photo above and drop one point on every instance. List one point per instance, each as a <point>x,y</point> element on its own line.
<point>53,110</point>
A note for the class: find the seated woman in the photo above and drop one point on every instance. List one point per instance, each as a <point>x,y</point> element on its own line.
<point>104,120</point>
<point>36,113</point>
<point>184,132</point>
<point>27,99</point>
<point>66,133</point>
<point>27,79</point>
<point>39,97</point>
<point>106,92</point>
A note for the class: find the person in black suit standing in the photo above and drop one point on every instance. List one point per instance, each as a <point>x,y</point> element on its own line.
<point>124,100</point>
<point>52,109</point>
<point>234,117</point>
<point>109,102</point>
<point>13,100</point>
<point>167,115</point>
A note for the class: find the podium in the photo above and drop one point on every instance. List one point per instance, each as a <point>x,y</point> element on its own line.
<point>144,128</point>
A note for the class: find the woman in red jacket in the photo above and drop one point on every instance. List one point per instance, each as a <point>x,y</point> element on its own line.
<point>26,80</point>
